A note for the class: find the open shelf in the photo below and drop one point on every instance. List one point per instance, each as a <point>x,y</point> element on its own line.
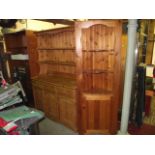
<point>59,63</point>
<point>17,47</point>
<point>97,71</point>
<point>51,80</point>
<point>97,95</point>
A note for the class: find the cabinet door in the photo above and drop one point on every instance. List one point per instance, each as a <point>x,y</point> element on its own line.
<point>68,112</point>
<point>51,105</point>
<point>96,116</point>
<point>38,97</point>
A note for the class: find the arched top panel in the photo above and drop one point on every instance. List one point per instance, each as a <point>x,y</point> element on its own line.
<point>98,37</point>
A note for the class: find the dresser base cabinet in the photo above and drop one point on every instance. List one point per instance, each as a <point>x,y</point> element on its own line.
<point>56,100</point>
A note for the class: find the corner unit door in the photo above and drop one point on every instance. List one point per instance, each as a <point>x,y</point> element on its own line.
<point>98,68</point>
<point>96,114</point>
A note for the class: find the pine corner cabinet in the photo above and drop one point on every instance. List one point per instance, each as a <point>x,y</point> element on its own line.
<point>80,71</point>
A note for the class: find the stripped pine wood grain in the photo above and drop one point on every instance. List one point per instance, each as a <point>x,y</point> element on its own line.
<point>100,61</point>
<point>80,67</point>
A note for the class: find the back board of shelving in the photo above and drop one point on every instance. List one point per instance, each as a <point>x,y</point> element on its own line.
<point>56,51</point>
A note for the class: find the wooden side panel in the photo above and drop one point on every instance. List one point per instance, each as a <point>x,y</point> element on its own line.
<point>32,52</point>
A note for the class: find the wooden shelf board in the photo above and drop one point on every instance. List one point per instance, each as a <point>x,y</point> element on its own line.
<point>97,95</point>
<point>59,63</point>
<point>17,47</point>
<point>98,71</point>
<point>55,80</point>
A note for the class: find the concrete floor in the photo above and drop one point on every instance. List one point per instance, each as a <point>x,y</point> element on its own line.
<point>49,127</point>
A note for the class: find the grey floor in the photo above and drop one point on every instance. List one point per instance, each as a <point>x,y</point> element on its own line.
<point>49,127</point>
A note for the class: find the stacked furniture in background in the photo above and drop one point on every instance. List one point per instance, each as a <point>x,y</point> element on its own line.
<point>79,79</point>
<point>21,46</point>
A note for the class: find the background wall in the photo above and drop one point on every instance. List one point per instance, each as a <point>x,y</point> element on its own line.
<point>30,24</point>
<point>39,25</point>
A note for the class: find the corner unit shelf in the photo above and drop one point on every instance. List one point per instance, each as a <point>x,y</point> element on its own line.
<point>97,71</point>
<point>96,96</point>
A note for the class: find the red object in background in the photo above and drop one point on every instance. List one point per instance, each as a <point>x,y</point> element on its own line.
<point>147,105</point>
<point>2,122</point>
<point>145,129</point>
<point>11,130</point>
<point>4,83</point>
